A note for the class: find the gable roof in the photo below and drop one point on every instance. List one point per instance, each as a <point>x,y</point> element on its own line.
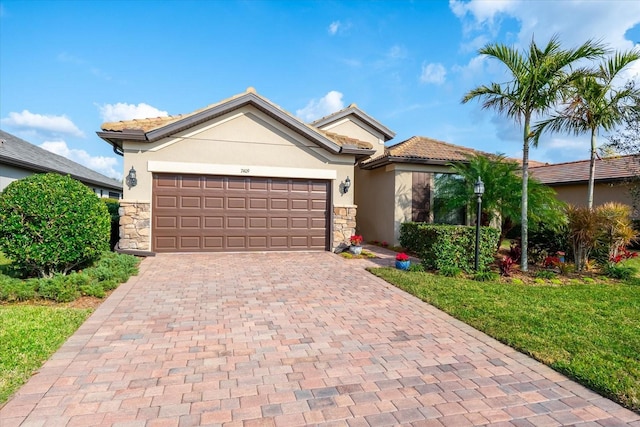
<point>18,152</point>
<point>154,129</point>
<point>607,170</point>
<point>422,150</point>
<point>355,111</point>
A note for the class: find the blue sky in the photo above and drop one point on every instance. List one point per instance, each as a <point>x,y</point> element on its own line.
<point>68,66</point>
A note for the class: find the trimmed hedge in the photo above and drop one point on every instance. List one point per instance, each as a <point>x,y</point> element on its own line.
<point>51,224</point>
<point>446,246</point>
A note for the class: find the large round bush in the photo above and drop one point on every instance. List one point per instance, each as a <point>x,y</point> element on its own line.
<point>51,223</point>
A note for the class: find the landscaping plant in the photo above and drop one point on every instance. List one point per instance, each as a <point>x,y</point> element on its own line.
<point>51,224</point>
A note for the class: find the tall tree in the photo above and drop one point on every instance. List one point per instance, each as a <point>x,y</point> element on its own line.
<point>538,78</point>
<point>501,200</point>
<point>593,102</point>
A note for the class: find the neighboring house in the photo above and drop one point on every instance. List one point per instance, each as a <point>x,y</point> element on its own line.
<point>242,175</point>
<point>399,186</point>
<point>613,180</point>
<point>19,159</point>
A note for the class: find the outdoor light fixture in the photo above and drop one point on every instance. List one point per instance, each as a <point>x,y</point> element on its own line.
<point>131,179</point>
<point>478,189</point>
<point>346,186</point>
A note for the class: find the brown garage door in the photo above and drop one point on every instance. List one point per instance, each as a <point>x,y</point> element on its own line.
<point>227,213</point>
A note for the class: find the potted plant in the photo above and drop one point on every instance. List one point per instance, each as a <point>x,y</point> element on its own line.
<point>402,261</point>
<point>356,244</point>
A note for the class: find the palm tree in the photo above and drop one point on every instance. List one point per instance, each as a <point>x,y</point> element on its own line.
<point>501,200</point>
<point>538,79</point>
<point>593,103</point>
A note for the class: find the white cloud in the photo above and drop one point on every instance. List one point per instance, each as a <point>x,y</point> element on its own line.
<point>49,124</point>
<point>316,108</point>
<point>122,111</point>
<point>433,73</point>
<point>104,165</point>
<point>397,52</point>
<point>334,27</point>
<point>600,20</point>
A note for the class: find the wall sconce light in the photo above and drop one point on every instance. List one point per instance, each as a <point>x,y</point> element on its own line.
<point>131,179</point>
<point>346,186</point>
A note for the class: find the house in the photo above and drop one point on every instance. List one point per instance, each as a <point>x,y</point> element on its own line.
<point>614,180</point>
<point>241,175</point>
<point>19,159</point>
<point>400,185</point>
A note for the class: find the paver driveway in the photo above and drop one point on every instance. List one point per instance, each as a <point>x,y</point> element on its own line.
<point>286,340</point>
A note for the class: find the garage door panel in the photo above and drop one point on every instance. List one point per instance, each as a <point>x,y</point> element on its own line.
<point>170,222</point>
<point>190,222</point>
<point>166,201</point>
<point>236,242</point>
<point>213,243</point>
<point>279,204</point>
<point>189,202</point>
<point>236,222</point>
<point>236,183</point>
<point>255,203</point>
<point>258,242</point>
<point>190,243</point>
<point>213,202</point>
<point>188,181</point>
<point>213,222</point>
<point>279,186</point>
<point>299,204</point>
<point>213,183</point>
<point>258,222</point>
<point>221,213</point>
<point>236,203</point>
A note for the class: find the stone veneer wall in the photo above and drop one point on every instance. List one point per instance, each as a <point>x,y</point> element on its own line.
<point>344,226</point>
<point>135,225</point>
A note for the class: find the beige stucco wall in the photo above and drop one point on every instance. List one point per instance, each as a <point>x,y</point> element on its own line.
<point>244,139</point>
<point>602,193</point>
<point>383,197</point>
<point>374,193</point>
<point>352,127</point>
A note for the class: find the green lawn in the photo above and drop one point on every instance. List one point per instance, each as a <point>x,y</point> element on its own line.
<point>590,332</point>
<point>29,336</point>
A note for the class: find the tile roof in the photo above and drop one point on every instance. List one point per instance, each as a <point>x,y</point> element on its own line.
<point>23,154</point>
<point>607,169</point>
<point>423,150</point>
<point>155,123</point>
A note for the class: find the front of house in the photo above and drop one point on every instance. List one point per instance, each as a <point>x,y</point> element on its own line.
<point>245,175</point>
<point>239,175</point>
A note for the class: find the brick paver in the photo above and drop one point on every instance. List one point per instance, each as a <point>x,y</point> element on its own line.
<point>289,339</point>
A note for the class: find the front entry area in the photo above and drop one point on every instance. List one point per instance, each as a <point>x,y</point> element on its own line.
<point>210,213</point>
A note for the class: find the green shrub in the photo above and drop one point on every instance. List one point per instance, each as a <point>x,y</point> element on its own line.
<point>486,276</point>
<point>441,246</point>
<point>517,282</point>
<point>58,288</point>
<point>12,290</point>
<point>113,267</point>
<point>93,290</point>
<point>556,281</point>
<point>450,271</point>
<point>417,268</point>
<point>51,224</point>
<point>620,272</point>
<point>545,274</point>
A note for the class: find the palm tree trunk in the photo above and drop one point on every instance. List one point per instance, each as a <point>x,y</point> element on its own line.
<point>592,170</point>
<point>525,199</point>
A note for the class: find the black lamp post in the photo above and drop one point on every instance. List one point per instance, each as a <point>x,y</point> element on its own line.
<point>478,189</point>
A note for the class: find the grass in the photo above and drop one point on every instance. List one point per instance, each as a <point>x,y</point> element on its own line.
<point>29,336</point>
<point>588,332</point>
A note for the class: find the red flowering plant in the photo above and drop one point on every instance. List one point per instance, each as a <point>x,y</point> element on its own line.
<point>551,262</point>
<point>356,240</point>
<point>402,257</point>
<point>622,254</point>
